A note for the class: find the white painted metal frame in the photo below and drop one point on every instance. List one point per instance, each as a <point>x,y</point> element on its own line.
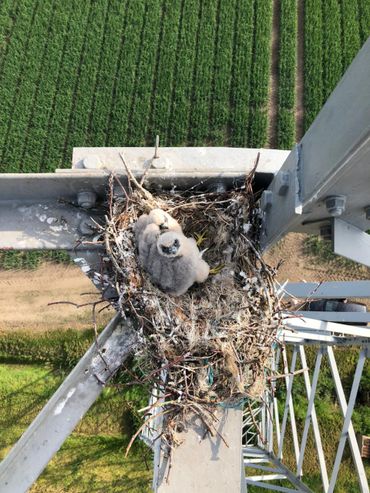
<point>265,455</point>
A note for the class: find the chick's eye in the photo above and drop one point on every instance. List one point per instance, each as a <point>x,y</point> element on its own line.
<point>176,243</point>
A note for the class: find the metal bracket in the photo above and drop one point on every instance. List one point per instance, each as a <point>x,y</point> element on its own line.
<point>351,242</point>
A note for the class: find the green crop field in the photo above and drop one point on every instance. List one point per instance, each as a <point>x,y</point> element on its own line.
<point>196,72</point>
<point>110,73</point>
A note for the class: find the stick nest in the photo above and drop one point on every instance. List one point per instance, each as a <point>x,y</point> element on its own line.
<point>212,345</point>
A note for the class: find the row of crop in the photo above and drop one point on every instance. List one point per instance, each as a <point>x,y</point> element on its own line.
<point>163,79</point>
<point>115,28</point>
<point>313,43</point>
<point>26,93</point>
<point>183,75</point>
<point>8,16</point>
<point>12,70</point>
<point>124,79</point>
<point>36,133</point>
<point>241,73</point>
<point>86,78</point>
<point>332,46</point>
<point>260,74</point>
<point>220,104</point>
<point>62,102</point>
<point>364,16</point>
<point>203,75</point>
<point>141,103</point>
<point>350,31</point>
<point>287,74</point>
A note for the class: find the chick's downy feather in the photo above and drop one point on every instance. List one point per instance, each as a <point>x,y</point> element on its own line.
<point>172,260</point>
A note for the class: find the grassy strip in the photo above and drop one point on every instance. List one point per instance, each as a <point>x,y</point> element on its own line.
<point>13,69</point>
<point>260,73</point>
<point>114,31</point>
<point>141,102</point>
<point>181,99</point>
<point>313,43</point>
<point>287,74</point>
<point>16,259</point>
<point>220,109</point>
<point>364,15</point>
<point>67,78</point>
<point>36,133</point>
<point>332,56</point>
<point>241,73</point>
<point>88,72</point>
<point>125,77</point>
<point>202,84</point>
<point>84,460</point>
<point>160,114</point>
<point>350,31</point>
<point>28,86</point>
<point>59,348</point>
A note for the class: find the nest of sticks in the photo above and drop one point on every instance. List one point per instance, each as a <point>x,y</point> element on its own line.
<point>213,344</point>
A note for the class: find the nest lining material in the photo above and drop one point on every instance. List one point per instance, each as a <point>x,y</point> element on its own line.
<point>213,344</point>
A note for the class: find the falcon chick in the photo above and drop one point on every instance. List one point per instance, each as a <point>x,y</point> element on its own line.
<point>172,260</point>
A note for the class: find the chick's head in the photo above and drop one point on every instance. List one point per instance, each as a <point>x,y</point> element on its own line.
<point>164,220</point>
<point>170,244</point>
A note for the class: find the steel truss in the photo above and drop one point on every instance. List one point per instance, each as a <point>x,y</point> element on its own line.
<point>264,448</point>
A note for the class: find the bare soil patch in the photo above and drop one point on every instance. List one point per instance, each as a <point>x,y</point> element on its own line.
<point>24,298</point>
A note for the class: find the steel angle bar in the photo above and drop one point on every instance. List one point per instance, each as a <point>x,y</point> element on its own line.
<point>314,338</point>
<point>328,290</point>
<point>310,324</point>
<point>265,477</point>
<point>289,407</point>
<point>302,488</point>
<point>347,419</point>
<point>250,464</point>
<point>315,426</point>
<point>40,442</point>
<point>271,487</point>
<point>276,359</point>
<point>46,225</point>
<point>311,391</point>
<point>252,460</point>
<point>354,317</point>
<point>361,473</point>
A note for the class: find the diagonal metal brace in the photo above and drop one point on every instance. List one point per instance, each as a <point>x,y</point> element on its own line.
<point>46,434</point>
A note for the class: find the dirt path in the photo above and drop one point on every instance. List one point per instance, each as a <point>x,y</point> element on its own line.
<point>24,298</point>
<point>274,77</point>
<point>299,113</point>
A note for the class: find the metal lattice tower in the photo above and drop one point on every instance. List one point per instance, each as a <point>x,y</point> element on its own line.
<point>321,185</point>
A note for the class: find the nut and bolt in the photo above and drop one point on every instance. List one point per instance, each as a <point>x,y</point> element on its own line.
<point>87,227</point>
<point>87,200</point>
<point>91,162</point>
<point>335,205</point>
<point>266,200</point>
<point>283,182</point>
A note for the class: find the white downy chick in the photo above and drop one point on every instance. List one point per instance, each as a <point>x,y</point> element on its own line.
<point>172,260</point>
